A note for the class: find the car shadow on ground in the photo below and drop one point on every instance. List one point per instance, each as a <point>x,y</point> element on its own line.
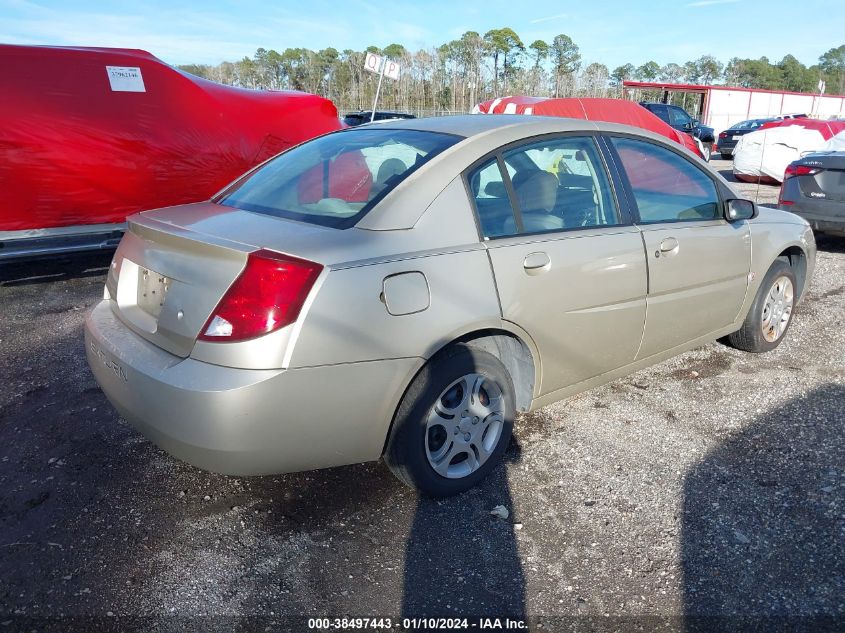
<point>830,243</point>
<point>762,538</point>
<point>469,570</point>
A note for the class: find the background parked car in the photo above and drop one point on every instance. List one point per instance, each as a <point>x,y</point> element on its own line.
<point>728,138</point>
<point>679,119</point>
<point>591,109</point>
<point>814,188</point>
<point>359,118</point>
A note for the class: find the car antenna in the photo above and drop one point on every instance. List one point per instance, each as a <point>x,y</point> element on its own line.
<point>760,171</point>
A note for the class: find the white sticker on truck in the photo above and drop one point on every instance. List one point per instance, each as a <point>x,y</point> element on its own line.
<point>125,79</point>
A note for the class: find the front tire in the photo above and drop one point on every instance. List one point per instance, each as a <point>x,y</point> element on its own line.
<point>771,313</point>
<point>454,422</point>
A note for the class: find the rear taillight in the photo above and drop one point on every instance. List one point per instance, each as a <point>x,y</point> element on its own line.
<point>266,296</point>
<point>723,135</point>
<point>799,170</point>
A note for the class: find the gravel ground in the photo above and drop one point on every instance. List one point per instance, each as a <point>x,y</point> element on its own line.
<point>709,485</point>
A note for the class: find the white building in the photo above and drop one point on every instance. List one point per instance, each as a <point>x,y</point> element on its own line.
<point>722,106</point>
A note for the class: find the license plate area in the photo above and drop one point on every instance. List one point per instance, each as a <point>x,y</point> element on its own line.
<point>152,291</point>
<point>141,293</point>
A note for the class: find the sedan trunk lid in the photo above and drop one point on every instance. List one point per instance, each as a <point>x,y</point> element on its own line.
<point>174,265</point>
<point>166,280</point>
<point>829,181</point>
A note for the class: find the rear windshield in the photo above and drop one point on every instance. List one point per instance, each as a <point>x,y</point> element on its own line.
<point>753,124</point>
<point>336,179</point>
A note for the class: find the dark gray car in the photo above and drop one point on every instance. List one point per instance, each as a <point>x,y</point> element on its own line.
<point>814,188</point>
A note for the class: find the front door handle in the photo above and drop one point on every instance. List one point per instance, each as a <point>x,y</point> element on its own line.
<point>668,246</point>
<point>536,263</point>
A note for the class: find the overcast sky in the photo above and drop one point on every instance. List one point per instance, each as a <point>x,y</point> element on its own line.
<point>612,32</point>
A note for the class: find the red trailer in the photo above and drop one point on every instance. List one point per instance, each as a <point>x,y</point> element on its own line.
<point>92,135</point>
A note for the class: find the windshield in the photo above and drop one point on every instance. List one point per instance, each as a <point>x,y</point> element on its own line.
<point>336,179</point>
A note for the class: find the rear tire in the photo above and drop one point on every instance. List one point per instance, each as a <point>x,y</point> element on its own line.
<point>726,156</point>
<point>454,422</point>
<point>771,313</point>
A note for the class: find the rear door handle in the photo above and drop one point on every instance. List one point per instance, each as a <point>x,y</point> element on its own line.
<point>536,263</point>
<point>669,246</point>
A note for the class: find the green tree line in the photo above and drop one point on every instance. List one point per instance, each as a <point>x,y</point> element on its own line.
<point>458,74</point>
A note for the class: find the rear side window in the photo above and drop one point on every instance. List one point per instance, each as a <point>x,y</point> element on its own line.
<point>667,187</point>
<point>336,179</point>
<point>558,184</point>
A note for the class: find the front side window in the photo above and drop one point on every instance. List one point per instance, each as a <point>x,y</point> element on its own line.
<point>666,186</point>
<point>336,179</point>
<point>557,184</point>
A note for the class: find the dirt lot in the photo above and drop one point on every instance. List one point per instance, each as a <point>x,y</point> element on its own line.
<point>710,485</point>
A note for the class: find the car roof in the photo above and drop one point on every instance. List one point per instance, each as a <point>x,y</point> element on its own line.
<point>470,125</point>
<point>473,126</point>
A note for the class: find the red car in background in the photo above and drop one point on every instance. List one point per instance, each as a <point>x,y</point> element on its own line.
<point>591,109</point>
<point>92,135</point>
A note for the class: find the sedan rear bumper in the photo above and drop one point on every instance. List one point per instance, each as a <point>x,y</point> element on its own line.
<point>820,222</point>
<point>822,215</point>
<point>245,422</point>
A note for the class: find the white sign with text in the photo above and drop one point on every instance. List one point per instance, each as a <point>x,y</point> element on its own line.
<point>125,79</point>
<point>375,63</point>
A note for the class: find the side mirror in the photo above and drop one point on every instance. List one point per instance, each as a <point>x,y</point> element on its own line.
<point>738,209</point>
<point>689,126</point>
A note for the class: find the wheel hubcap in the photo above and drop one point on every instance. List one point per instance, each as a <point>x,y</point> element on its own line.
<point>777,310</point>
<point>464,426</point>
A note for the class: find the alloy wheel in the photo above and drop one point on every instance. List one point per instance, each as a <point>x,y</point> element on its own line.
<point>777,309</point>
<point>464,426</point>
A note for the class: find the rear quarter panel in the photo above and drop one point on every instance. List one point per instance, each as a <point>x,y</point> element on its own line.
<point>350,322</point>
<point>349,319</point>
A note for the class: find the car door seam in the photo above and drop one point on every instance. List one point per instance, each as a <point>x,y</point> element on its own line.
<point>647,291</point>
<point>495,283</point>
